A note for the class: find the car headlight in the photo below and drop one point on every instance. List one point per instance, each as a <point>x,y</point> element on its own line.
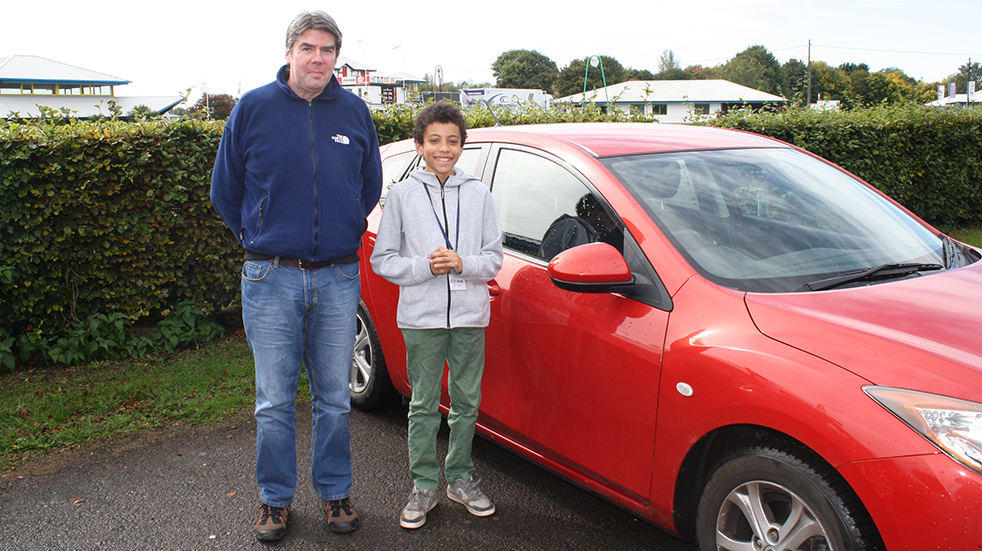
<point>954,426</point>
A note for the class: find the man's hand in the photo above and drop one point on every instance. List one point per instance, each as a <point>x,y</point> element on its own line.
<point>443,260</point>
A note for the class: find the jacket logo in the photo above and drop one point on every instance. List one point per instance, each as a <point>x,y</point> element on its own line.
<point>341,139</point>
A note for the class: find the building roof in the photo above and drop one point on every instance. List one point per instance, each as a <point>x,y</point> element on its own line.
<point>403,76</point>
<point>668,91</point>
<point>957,99</point>
<point>33,69</point>
<point>342,61</point>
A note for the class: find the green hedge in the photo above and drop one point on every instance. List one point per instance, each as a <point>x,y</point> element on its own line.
<point>107,217</point>
<point>110,218</point>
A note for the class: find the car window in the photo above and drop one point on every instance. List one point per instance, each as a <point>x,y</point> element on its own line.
<point>394,169</point>
<point>545,209</point>
<point>771,220</point>
<point>468,161</point>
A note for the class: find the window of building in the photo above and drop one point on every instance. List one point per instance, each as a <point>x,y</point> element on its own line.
<point>659,108</point>
<point>700,108</point>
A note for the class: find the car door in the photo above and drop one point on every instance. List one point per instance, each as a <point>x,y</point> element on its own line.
<point>571,376</point>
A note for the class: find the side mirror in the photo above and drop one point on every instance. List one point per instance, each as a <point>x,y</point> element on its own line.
<point>590,268</point>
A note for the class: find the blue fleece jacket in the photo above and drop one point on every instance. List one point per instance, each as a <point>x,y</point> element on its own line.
<point>295,178</point>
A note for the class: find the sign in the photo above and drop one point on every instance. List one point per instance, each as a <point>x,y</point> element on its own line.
<point>951,89</point>
<point>971,90</point>
<point>388,95</point>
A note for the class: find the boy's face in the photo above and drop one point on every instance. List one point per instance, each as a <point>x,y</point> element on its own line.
<point>441,148</point>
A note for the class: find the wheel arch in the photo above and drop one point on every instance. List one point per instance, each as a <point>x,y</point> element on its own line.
<point>717,447</point>
<point>700,462</point>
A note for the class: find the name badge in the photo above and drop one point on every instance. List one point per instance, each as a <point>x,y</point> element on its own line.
<point>458,284</point>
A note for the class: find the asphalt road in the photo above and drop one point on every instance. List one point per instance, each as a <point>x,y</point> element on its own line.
<point>191,488</point>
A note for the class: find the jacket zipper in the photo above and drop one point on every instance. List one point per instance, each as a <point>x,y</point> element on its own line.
<point>446,224</point>
<point>259,226</point>
<point>313,158</point>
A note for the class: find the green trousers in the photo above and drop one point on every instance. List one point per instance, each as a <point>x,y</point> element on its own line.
<point>462,349</point>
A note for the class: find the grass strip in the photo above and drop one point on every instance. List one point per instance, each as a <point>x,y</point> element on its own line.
<point>43,409</point>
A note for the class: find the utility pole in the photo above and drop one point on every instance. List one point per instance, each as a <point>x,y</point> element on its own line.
<point>809,97</point>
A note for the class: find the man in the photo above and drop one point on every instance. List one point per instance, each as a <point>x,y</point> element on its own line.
<point>297,172</point>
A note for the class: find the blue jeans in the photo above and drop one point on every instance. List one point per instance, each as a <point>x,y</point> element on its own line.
<point>296,317</point>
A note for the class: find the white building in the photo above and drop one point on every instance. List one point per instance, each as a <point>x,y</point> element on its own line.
<point>958,100</point>
<point>674,101</point>
<point>27,82</point>
<point>376,90</point>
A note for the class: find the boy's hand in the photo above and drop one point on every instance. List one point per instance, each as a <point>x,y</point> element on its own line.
<point>443,260</point>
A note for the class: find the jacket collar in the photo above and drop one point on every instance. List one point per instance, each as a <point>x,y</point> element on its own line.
<point>331,91</point>
<point>457,178</point>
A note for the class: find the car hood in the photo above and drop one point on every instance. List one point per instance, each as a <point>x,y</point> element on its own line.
<point>922,334</point>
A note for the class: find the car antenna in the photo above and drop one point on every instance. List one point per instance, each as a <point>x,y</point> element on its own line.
<point>496,121</point>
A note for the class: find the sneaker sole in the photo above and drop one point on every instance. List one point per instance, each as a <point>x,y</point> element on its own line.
<point>411,524</point>
<point>471,510</point>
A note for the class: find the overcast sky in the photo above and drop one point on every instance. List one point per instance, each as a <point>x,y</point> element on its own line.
<point>164,48</point>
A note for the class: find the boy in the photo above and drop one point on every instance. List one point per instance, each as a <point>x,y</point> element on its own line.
<point>440,240</point>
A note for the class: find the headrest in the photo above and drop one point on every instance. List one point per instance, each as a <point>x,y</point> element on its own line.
<point>663,178</point>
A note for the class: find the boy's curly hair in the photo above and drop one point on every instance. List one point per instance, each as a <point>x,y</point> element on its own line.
<point>440,111</point>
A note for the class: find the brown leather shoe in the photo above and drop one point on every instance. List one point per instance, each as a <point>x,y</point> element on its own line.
<point>341,515</point>
<point>271,524</point>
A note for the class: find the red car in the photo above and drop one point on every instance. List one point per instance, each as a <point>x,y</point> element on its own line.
<point>722,333</point>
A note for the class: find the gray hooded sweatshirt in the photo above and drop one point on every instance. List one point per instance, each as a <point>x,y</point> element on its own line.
<point>414,224</point>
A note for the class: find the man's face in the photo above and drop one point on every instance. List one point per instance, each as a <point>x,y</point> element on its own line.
<point>441,148</point>
<point>311,60</point>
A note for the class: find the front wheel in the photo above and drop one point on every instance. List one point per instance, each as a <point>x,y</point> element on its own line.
<point>766,498</point>
<point>369,384</point>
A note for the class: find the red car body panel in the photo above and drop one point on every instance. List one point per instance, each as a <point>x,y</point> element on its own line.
<point>925,321</point>
<point>920,502</point>
<point>638,388</point>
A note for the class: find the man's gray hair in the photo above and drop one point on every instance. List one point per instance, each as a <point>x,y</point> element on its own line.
<point>313,20</point>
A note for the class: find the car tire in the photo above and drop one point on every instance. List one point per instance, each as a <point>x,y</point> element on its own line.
<point>781,497</point>
<point>369,384</point>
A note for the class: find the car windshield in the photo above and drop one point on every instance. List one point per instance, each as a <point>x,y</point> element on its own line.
<point>772,220</point>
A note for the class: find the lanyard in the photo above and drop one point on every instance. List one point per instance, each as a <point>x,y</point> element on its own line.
<point>437,216</point>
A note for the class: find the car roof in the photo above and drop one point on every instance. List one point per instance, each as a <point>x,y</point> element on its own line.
<point>609,139</point>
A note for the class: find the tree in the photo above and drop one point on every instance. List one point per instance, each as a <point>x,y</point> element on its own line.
<point>219,105</point>
<point>452,86</point>
<point>638,74</point>
<point>829,82</point>
<point>143,112</point>
<point>667,61</point>
<point>669,68</point>
<point>570,79</point>
<point>698,72</point>
<point>850,68</point>
<point>524,69</point>
<point>794,80</point>
<point>967,72</point>
<point>755,68</point>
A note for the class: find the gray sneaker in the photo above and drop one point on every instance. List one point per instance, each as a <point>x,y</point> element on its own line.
<point>420,503</point>
<point>468,493</point>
